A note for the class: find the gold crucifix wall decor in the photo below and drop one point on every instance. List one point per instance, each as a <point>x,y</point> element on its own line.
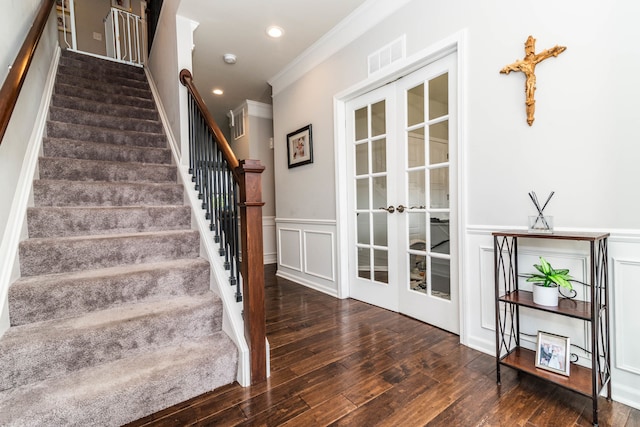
<point>528,67</point>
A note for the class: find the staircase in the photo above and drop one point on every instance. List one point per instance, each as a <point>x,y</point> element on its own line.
<point>112,318</point>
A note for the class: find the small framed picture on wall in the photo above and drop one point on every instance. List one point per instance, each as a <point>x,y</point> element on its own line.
<point>64,22</point>
<point>122,4</point>
<point>300,147</point>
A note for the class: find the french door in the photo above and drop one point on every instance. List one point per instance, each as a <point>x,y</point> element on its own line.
<point>401,155</point>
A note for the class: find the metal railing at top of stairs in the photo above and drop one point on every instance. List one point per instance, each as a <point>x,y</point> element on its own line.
<point>123,36</point>
<point>12,85</point>
<point>231,191</point>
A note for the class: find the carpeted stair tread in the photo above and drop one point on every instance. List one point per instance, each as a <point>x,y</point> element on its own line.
<point>105,135</point>
<point>124,390</point>
<point>31,352</point>
<point>79,221</point>
<point>54,296</point>
<point>96,193</point>
<point>100,67</point>
<point>83,75</point>
<point>101,170</point>
<point>112,317</point>
<point>96,95</point>
<point>66,254</point>
<point>55,147</point>
<point>115,110</point>
<point>104,87</point>
<point>95,119</point>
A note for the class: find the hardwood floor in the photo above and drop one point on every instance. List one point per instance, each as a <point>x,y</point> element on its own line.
<point>346,363</point>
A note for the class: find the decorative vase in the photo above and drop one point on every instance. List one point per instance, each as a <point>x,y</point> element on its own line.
<point>545,295</point>
<point>540,224</point>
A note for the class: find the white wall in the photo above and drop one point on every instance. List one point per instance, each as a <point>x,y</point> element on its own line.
<point>582,145</point>
<point>163,64</point>
<point>14,25</point>
<point>15,22</point>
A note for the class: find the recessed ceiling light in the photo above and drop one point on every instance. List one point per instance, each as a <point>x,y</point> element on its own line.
<point>218,91</point>
<point>275,31</point>
<point>229,58</point>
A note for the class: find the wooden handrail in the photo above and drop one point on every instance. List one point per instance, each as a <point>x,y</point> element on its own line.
<point>248,175</point>
<point>18,72</point>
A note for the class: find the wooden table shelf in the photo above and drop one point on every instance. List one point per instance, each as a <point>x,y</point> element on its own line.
<point>566,306</point>
<point>524,360</point>
<point>595,313</point>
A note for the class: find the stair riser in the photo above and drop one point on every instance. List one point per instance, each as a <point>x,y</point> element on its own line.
<point>56,297</point>
<point>105,88</point>
<point>92,119</point>
<point>90,170</point>
<point>105,136</point>
<point>97,96</point>
<point>68,193</point>
<point>114,110</point>
<point>96,151</point>
<point>80,74</point>
<point>71,347</point>
<point>49,256</point>
<point>66,222</point>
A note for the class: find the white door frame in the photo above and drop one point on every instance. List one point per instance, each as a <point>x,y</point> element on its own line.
<point>456,43</point>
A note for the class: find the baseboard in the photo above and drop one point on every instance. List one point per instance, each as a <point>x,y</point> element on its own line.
<point>307,283</point>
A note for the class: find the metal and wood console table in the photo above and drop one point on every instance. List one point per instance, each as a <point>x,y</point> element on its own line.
<point>509,299</point>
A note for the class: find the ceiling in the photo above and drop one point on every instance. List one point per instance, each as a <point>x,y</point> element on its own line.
<point>239,27</point>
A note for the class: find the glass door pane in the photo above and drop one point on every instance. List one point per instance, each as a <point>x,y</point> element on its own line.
<point>370,154</point>
<point>427,162</point>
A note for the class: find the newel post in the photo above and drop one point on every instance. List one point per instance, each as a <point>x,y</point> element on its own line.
<point>255,330</point>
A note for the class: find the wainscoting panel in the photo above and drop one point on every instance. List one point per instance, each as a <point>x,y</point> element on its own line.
<point>625,263</point>
<point>270,246</point>
<point>319,254</point>
<point>627,277</point>
<point>290,248</point>
<point>307,253</point>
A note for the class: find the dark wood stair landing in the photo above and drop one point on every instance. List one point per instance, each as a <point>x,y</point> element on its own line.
<point>347,363</point>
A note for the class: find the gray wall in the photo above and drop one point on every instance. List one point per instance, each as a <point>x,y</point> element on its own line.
<point>15,23</point>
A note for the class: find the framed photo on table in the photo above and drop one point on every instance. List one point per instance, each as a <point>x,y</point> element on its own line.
<point>300,147</point>
<point>553,353</point>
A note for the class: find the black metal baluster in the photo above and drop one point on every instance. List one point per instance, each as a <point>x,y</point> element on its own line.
<point>220,203</point>
<point>216,192</point>
<point>213,180</point>
<point>206,193</point>
<point>192,113</point>
<point>236,253</point>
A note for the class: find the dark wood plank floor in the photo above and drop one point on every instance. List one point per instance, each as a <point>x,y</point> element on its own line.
<point>346,363</point>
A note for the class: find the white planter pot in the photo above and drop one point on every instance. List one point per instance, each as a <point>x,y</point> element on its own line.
<point>543,295</point>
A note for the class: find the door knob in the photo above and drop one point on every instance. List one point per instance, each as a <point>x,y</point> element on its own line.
<point>400,208</point>
<point>390,209</point>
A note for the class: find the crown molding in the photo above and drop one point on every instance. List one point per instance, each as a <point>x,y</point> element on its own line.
<point>364,18</point>
<point>254,109</point>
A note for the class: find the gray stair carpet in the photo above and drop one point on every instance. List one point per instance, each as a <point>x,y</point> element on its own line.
<point>112,318</point>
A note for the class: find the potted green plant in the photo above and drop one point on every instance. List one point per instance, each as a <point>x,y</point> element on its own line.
<point>547,281</point>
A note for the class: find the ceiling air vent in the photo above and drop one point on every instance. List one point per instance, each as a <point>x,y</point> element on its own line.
<point>387,55</point>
